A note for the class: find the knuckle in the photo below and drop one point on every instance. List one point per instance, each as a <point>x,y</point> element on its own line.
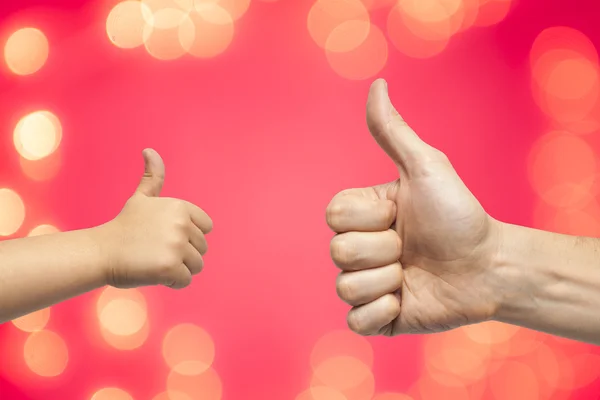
<point>178,241</point>
<point>354,322</point>
<point>203,247</point>
<point>343,252</point>
<point>178,207</point>
<point>440,156</point>
<point>181,222</point>
<point>168,262</point>
<point>199,267</point>
<point>399,275</point>
<point>335,214</point>
<point>397,240</point>
<point>390,211</point>
<point>392,307</point>
<point>346,290</point>
<point>184,282</point>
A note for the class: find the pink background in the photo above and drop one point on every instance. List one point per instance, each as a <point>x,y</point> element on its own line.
<point>261,137</point>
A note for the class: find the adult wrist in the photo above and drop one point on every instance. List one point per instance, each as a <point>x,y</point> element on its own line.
<point>519,282</point>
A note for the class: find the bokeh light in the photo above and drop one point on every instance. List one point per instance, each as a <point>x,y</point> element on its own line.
<point>363,390</point>
<point>427,388</point>
<point>563,169</point>
<point>341,343</point>
<point>327,15</point>
<point>432,19</point>
<point>46,353</point>
<point>362,62</point>
<point>572,78</point>
<point>341,362</point>
<point>584,221</point>
<point>565,72</point>
<point>126,22</point>
<point>35,321</point>
<point>26,51</point>
<point>13,212</point>
<point>123,318</point>
<point>163,34</point>
<point>206,386</point>
<point>407,42</point>
<point>188,349</point>
<point>347,36</point>
<point>392,396</point>
<point>155,6</point>
<point>234,8</point>
<point>347,375</point>
<point>129,342</point>
<point>111,393</point>
<point>514,380</point>
<point>357,49</point>
<point>42,170</point>
<point>172,395</point>
<point>492,11</point>
<point>554,367</point>
<point>566,86</point>
<point>342,372</point>
<point>207,32</point>
<point>453,357</point>
<point>586,367</point>
<point>37,135</point>
<point>43,229</point>
<point>321,393</point>
<point>564,39</point>
<point>524,342</point>
<point>490,333</point>
<point>470,12</point>
<point>373,5</point>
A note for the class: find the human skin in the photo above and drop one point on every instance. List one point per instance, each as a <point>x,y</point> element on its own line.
<point>153,241</point>
<point>421,255</point>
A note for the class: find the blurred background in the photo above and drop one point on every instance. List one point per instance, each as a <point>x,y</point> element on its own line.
<point>258,109</point>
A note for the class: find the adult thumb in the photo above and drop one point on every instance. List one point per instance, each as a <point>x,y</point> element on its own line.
<point>390,130</point>
<point>154,174</point>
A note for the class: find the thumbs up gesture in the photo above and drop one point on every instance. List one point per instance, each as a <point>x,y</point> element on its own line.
<point>155,240</point>
<point>416,254</point>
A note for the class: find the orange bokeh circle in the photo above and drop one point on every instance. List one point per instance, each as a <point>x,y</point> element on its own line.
<point>206,386</point>
<point>13,214</point>
<point>207,32</point>
<point>123,318</point>
<point>492,12</point>
<point>46,353</point>
<point>347,375</point>
<point>363,62</point>
<point>564,39</point>
<point>407,42</point>
<point>514,380</point>
<point>26,51</point>
<point>35,321</point>
<point>327,15</point>
<point>341,343</point>
<point>563,169</point>
<point>111,393</point>
<point>188,349</point>
<point>321,393</point>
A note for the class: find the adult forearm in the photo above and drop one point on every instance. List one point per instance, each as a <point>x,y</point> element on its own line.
<point>552,282</point>
<point>40,271</point>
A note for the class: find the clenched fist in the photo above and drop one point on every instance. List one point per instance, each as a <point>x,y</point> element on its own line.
<point>416,254</point>
<point>154,240</point>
